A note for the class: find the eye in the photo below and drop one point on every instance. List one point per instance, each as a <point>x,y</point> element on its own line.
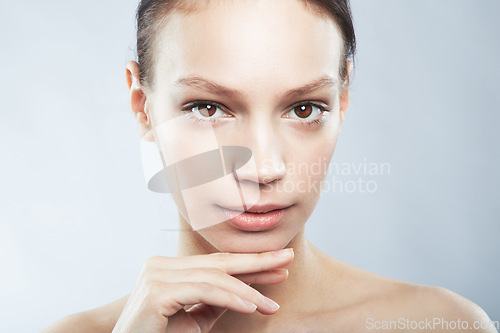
<point>306,111</point>
<point>206,110</point>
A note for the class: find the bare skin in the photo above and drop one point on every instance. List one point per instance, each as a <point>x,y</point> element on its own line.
<point>338,297</point>
<point>232,276</point>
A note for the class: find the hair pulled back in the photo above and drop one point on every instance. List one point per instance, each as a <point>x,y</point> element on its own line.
<point>151,14</point>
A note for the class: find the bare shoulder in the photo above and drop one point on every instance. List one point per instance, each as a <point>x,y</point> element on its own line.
<point>440,300</point>
<point>363,301</point>
<point>444,307</point>
<point>101,319</point>
<point>402,306</point>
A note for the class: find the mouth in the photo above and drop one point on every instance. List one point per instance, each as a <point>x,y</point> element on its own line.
<point>256,218</point>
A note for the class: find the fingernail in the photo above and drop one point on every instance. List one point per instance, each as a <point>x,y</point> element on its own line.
<point>283,253</point>
<point>280,271</point>
<point>249,305</point>
<point>271,304</point>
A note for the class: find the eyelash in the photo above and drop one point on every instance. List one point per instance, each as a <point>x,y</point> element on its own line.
<point>188,113</point>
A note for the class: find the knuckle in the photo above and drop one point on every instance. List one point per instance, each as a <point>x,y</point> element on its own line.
<point>209,275</point>
<point>214,275</point>
<point>167,303</point>
<point>203,287</point>
<point>263,255</point>
<point>264,261</point>
<point>221,259</point>
<point>151,262</point>
<point>154,288</point>
<point>150,277</point>
<point>191,274</point>
<point>214,271</point>
<point>231,299</point>
<point>250,292</point>
<point>156,263</point>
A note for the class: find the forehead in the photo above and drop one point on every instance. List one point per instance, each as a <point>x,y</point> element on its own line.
<point>248,43</point>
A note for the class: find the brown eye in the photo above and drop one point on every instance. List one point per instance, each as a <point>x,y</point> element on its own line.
<point>206,110</point>
<point>303,111</point>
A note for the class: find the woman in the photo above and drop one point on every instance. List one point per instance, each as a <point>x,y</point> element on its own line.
<point>264,84</point>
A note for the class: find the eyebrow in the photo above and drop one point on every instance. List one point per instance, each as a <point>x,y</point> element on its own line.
<point>211,86</point>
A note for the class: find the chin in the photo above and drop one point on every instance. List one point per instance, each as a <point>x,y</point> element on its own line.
<point>226,238</point>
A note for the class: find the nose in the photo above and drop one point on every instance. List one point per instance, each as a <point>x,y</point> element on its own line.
<point>267,155</point>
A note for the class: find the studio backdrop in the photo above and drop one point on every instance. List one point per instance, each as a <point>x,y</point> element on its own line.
<point>411,194</point>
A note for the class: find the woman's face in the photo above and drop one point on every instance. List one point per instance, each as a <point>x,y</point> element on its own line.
<point>265,72</point>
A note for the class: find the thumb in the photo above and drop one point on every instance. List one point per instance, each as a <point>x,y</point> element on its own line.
<point>206,315</point>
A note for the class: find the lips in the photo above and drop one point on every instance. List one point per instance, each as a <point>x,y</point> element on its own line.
<point>257,218</point>
<point>265,208</point>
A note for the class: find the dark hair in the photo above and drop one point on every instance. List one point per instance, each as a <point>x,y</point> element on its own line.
<point>151,14</point>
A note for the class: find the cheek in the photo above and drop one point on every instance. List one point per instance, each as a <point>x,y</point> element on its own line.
<point>308,164</point>
<point>311,156</point>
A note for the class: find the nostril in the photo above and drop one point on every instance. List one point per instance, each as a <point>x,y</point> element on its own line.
<point>269,180</point>
<point>271,173</point>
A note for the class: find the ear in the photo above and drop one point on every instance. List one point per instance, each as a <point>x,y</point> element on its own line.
<point>138,101</point>
<point>344,97</point>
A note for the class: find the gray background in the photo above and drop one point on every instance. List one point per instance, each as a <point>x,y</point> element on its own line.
<point>77,222</point>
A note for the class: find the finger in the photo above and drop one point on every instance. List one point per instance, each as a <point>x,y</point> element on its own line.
<point>250,263</point>
<point>206,315</point>
<point>206,293</point>
<point>221,280</point>
<point>199,318</point>
<point>233,263</point>
<point>272,276</point>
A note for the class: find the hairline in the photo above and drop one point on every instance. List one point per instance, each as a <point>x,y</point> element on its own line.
<point>187,7</point>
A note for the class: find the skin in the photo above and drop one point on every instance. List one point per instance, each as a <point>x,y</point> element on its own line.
<point>278,46</point>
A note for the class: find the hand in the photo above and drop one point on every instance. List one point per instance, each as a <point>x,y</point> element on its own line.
<point>211,283</point>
